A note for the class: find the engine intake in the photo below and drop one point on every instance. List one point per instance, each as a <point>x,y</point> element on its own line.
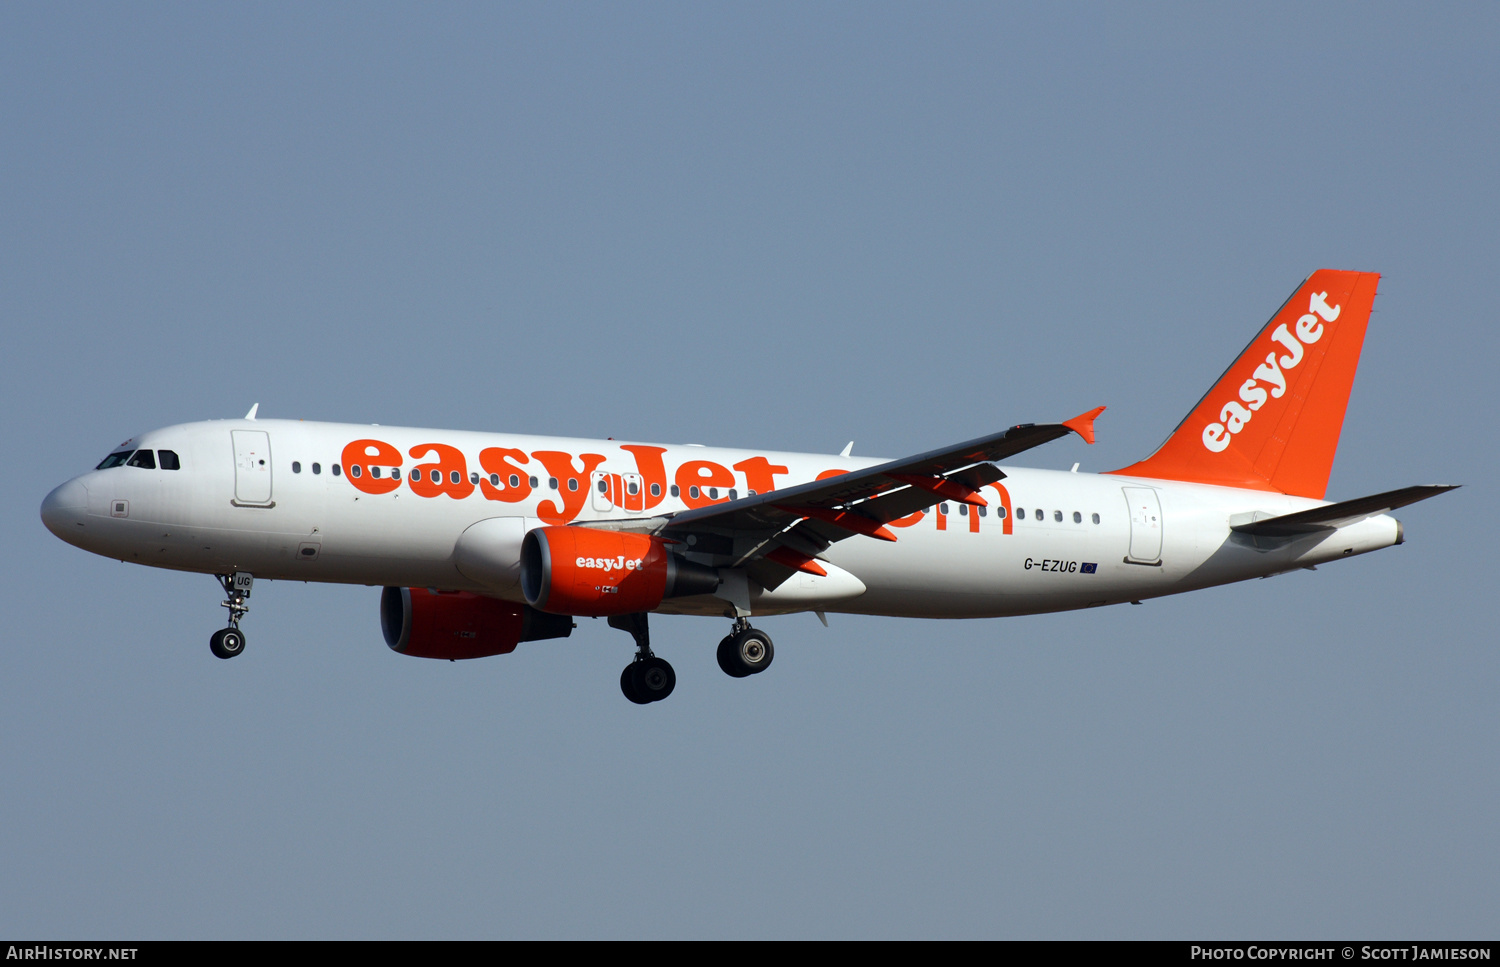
<point>580,570</point>
<point>457,624</point>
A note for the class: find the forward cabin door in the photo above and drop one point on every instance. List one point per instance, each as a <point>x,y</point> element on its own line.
<point>252,467</point>
<point>1145,525</point>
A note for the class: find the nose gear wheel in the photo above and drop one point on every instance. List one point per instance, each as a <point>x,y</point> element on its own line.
<point>230,641</point>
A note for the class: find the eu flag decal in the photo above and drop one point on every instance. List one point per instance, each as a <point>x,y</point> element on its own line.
<point>1089,568</point>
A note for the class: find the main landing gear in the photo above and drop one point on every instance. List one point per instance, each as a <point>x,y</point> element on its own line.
<point>230,641</point>
<point>745,651</point>
<point>647,679</point>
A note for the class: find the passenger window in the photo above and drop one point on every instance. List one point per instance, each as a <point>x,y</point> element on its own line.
<point>693,491</point>
<point>453,476</point>
<point>296,467</point>
<point>713,493</point>
<point>474,477</point>
<point>416,475</point>
<point>144,459</point>
<point>436,475</point>
<point>1096,518</point>
<point>336,470</point>
<point>1057,516</point>
<point>552,482</point>
<point>1020,513</point>
<point>572,483</point>
<point>733,495</point>
<point>983,512</point>
<point>532,481</point>
<point>515,481</point>
<point>1000,511</point>
<point>1077,517</point>
<point>114,459</point>
<point>943,509</point>
<point>656,490</point>
<point>168,459</point>
<point>632,488</point>
<point>495,480</point>
<point>375,472</point>
<point>963,510</point>
<point>675,491</point>
<point>354,471</point>
<point>604,486</point>
<point>317,469</point>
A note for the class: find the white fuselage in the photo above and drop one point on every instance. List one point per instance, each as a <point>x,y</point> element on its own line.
<point>246,498</point>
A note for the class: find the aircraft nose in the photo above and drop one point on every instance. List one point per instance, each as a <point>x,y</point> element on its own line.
<point>64,509</point>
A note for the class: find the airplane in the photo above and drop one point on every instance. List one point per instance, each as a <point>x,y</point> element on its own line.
<point>481,541</point>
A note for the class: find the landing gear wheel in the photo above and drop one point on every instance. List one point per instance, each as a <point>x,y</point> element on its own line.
<point>627,685</point>
<point>654,678</point>
<point>747,652</point>
<point>727,660</point>
<point>227,642</point>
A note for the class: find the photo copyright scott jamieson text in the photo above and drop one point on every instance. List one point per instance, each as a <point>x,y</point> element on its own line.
<point>49,952</point>
<point>1345,952</point>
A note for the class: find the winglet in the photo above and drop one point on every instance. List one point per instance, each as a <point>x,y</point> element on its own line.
<point>1083,424</point>
<point>251,414</point>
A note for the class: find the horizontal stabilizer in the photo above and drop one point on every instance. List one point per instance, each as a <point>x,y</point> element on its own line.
<point>1339,514</point>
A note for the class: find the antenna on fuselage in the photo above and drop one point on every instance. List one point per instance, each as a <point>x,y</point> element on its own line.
<point>251,414</point>
<point>847,447</point>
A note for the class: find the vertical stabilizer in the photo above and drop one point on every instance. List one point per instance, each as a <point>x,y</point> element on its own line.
<point>1272,421</point>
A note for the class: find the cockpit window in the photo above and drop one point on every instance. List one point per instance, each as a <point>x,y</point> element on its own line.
<point>114,459</point>
<point>144,459</point>
<point>168,459</point>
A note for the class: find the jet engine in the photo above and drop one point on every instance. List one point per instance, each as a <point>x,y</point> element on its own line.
<point>581,570</point>
<point>457,624</point>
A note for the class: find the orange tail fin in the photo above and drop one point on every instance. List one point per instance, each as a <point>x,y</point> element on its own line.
<point>1272,421</point>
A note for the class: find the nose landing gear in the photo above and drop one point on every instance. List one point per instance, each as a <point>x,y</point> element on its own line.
<point>647,679</point>
<point>230,641</point>
<point>745,651</point>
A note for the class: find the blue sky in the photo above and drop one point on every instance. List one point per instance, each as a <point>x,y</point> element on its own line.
<point>781,226</point>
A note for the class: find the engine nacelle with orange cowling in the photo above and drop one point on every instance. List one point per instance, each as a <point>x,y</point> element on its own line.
<point>580,570</point>
<point>457,624</point>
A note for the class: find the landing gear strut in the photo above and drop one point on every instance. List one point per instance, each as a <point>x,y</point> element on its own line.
<point>230,641</point>
<point>745,651</point>
<point>647,679</point>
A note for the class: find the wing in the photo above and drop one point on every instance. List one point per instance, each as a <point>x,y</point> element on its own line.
<point>777,533</point>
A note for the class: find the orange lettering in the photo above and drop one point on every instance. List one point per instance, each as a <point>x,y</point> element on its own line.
<point>450,475</point>
<point>759,474</point>
<point>361,455</point>
<point>653,474</point>
<point>703,474</point>
<point>1005,526</point>
<point>496,460</point>
<point>572,483</point>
